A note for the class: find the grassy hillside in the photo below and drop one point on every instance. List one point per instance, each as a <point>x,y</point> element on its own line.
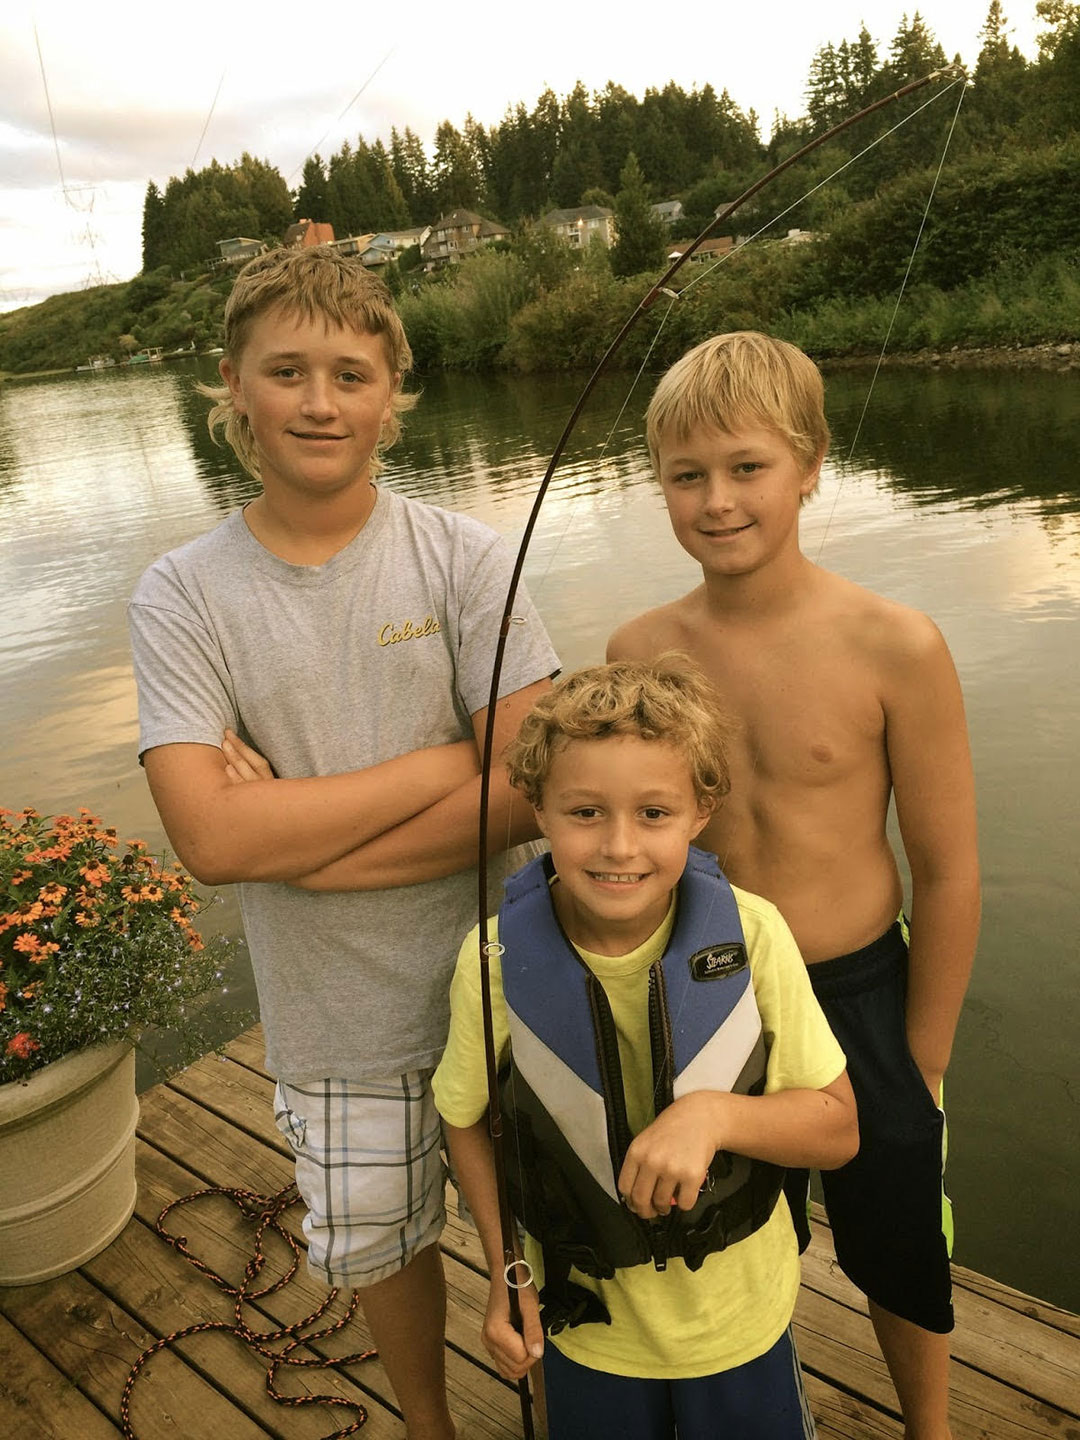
<point>152,309</point>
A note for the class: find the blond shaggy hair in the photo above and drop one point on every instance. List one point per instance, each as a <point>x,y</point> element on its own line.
<point>309,284</point>
<point>667,700</point>
<point>743,378</point>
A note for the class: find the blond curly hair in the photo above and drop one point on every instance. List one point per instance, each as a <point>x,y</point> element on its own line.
<point>313,283</point>
<point>668,700</point>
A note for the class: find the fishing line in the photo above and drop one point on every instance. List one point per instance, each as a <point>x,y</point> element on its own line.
<point>537,589</point>
<point>892,318</point>
<point>209,117</point>
<point>344,112</point>
<point>708,270</point>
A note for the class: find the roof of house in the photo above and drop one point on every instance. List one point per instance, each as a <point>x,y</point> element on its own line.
<point>458,218</point>
<point>582,212</point>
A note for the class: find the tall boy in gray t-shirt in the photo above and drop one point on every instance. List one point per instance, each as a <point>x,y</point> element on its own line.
<point>346,633</point>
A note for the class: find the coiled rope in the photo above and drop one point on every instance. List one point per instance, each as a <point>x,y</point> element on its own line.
<point>265,1212</point>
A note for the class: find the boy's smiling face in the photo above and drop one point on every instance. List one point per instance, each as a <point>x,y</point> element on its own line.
<point>316,396</point>
<point>619,813</point>
<point>734,496</point>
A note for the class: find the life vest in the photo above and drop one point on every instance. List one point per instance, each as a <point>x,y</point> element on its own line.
<point>567,1132</point>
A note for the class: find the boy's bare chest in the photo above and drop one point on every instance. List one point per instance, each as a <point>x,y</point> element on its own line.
<point>808,712</point>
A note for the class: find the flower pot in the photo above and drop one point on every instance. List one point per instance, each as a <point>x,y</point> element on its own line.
<point>67,1162</point>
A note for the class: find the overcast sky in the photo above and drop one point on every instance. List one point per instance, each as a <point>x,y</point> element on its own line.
<point>132,88</point>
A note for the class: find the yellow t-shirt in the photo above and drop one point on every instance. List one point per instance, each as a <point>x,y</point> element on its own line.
<point>676,1323</point>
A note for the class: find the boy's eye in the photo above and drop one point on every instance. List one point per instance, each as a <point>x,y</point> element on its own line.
<point>350,377</point>
<point>586,812</point>
<point>748,467</point>
<point>654,812</point>
<point>686,477</point>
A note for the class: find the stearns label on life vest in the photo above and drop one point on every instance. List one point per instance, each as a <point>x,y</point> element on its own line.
<point>716,962</point>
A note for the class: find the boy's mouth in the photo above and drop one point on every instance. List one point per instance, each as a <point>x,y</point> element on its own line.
<point>314,435</point>
<point>727,530</point>
<point>612,877</point>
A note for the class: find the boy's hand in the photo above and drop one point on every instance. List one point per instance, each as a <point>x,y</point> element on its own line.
<point>666,1165</point>
<point>242,762</point>
<point>514,1354</point>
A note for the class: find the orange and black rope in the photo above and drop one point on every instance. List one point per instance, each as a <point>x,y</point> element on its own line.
<point>265,1212</point>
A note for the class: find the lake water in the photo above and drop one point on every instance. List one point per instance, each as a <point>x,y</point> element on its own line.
<point>961,497</point>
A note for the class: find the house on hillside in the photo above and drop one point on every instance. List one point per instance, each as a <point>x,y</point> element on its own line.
<point>239,249</point>
<point>378,248</point>
<point>667,210</point>
<point>707,252</point>
<point>579,227</point>
<point>308,232</point>
<point>455,235</point>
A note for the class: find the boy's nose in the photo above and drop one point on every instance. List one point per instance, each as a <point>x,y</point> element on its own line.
<point>619,838</point>
<point>719,497</point>
<point>318,400</point>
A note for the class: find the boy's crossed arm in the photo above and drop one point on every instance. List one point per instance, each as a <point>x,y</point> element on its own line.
<point>432,805</point>
<point>277,829</point>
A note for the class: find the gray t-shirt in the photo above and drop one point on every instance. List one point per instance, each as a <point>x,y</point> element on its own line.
<point>384,649</point>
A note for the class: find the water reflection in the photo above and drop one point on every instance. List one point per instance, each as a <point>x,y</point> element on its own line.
<point>982,438</point>
<point>960,498</point>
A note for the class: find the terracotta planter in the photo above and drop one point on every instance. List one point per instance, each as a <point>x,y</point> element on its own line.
<point>67,1162</point>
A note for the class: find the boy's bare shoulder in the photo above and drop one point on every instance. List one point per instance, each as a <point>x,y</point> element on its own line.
<point>898,638</point>
<point>668,627</point>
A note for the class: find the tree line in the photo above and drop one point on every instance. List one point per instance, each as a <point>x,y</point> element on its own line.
<point>696,145</point>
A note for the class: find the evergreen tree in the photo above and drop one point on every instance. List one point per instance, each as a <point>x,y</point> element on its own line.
<point>642,238</point>
<point>154,229</point>
<point>409,162</point>
<point>312,200</point>
<point>455,171</point>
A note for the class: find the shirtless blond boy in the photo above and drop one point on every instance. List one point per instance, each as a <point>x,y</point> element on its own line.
<point>844,698</point>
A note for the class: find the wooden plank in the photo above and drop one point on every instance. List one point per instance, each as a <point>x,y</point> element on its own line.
<point>248,1049</point>
<point>37,1401</point>
<point>839,1342</point>
<point>95,1343</point>
<point>1041,1360</point>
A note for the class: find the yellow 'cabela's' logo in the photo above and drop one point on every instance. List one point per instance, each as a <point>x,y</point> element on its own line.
<point>391,634</point>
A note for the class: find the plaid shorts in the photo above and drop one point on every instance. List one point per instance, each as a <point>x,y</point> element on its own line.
<point>369,1169</point>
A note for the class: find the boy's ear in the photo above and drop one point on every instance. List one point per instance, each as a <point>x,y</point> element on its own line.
<point>229,374</point>
<point>706,810</point>
<point>811,477</point>
<point>538,812</point>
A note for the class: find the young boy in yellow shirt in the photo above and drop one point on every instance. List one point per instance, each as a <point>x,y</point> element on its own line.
<point>662,1060</point>
<point>843,699</point>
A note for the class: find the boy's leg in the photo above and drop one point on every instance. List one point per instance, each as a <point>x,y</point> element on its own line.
<point>761,1400</point>
<point>369,1170</point>
<point>406,1314</point>
<point>890,1216</point>
<point>918,1362</point>
<point>587,1404</point>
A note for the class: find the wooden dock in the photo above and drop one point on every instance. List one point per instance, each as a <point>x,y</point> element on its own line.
<point>66,1346</point>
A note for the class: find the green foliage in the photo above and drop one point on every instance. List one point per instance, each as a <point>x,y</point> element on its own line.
<point>641,236</point>
<point>182,227</point>
<point>463,319</point>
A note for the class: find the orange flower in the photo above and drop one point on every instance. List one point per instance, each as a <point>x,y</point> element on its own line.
<point>20,876</point>
<point>133,893</point>
<point>29,912</point>
<point>27,944</point>
<point>195,940</point>
<point>95,873</point>
<point>87,921</point>
<point>52,893</point>
<point>21,1045</point>
<point>3,994</point>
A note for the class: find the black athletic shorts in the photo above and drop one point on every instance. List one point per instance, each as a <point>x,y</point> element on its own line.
<point>890,1216</point>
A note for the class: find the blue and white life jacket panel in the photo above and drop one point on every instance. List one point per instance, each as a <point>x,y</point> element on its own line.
<point>567,1132</point>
